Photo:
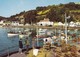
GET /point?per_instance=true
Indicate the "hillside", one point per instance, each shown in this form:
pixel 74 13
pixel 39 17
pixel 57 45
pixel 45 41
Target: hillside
pixel 54 12
pixel 2 18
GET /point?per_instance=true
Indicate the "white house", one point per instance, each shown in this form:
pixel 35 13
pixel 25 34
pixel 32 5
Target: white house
pixel 1 22
pixel 45 22
pixel 27 24
pixel 78 24
pixel 60 24
pixel 72 24
pixel 15 23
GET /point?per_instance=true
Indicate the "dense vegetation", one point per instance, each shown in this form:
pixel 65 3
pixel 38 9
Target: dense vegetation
pixel 54 12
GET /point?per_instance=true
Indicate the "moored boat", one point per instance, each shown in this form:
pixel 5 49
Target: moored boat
pixel 12 34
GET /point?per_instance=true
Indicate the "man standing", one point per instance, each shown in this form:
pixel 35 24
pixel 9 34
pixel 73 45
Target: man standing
pixel 20 46
pixel 27 44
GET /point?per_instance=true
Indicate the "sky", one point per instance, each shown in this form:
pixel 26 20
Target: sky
pixel 12 7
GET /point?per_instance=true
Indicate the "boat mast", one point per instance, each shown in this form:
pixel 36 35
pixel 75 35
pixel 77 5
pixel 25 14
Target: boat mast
pixel 66 27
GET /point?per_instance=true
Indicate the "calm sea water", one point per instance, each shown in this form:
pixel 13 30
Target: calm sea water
pixel 7 44
pixel 10 44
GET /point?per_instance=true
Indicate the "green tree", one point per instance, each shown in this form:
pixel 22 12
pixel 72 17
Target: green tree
pixel 30 16
pixel 54 15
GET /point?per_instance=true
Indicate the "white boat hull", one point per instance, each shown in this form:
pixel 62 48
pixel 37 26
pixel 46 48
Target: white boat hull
pixel 12 35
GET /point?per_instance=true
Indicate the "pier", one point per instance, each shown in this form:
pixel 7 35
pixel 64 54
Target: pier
pixel 44 27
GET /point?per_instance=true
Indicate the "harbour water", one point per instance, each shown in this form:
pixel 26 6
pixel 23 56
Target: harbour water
pixel 7 44
pixel 10 44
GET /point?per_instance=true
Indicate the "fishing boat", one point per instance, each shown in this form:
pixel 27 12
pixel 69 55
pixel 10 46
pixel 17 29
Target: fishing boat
pixel 12 34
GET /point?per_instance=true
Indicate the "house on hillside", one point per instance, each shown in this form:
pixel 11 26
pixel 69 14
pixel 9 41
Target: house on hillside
pixel 5 22
pixel 14 23
pixel 77 24
pixel 45 22
pixel 61 24
pixel 1 22
pixel 72 24
pixel 20 21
